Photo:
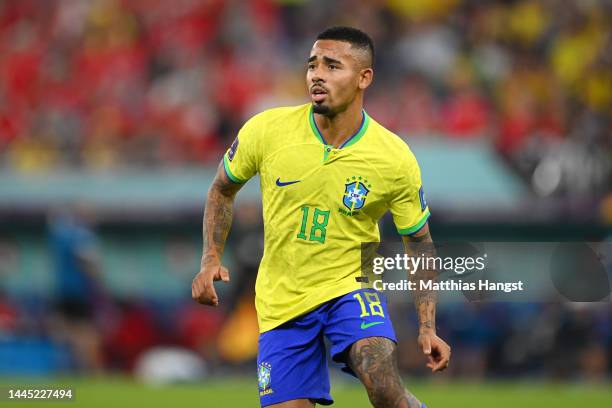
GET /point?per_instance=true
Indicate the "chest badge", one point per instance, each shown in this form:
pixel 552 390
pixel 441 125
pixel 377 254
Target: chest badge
pixel 355 193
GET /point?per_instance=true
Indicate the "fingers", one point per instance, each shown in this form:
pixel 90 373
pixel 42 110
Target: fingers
pixel 436 351
pixel 210 294
pixel 202 288
pixel 426 345
pixel 203 291
pixel 431 362
pixel 441 366
pixel 223 274
pixel 442 358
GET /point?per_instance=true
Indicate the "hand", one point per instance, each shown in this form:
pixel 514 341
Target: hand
pixel 202 288
pixel 437 351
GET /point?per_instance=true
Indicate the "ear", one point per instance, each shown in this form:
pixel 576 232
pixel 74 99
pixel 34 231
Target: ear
pixel 365 78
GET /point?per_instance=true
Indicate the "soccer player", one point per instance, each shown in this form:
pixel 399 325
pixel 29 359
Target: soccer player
pixel 328 173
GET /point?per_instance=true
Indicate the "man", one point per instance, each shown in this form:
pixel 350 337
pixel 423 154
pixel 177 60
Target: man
pixel 328 173
pixel 80 295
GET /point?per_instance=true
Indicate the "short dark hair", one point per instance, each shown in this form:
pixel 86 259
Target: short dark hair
pixel 354 36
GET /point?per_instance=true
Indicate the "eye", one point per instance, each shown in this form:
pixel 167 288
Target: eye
pixel 311 66
pixel 332 67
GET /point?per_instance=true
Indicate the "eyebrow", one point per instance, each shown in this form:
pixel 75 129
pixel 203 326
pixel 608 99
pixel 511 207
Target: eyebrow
pixel 327 60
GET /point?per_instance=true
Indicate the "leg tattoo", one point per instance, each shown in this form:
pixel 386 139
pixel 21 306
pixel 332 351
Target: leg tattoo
pixel 374 360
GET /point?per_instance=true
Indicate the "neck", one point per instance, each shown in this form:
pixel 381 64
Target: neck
pixel 338 128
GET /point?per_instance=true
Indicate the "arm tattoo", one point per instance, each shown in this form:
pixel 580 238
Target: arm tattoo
pixel 374 360
pixel 424 300
pixel 218 216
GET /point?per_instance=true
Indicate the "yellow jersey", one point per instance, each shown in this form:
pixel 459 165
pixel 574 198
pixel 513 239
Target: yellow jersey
pixel 319 204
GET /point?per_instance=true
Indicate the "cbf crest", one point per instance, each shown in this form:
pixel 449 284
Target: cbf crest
pixel 264 371
pixel 355 192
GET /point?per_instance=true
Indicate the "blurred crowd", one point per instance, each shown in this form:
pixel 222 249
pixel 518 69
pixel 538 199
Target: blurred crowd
pixel 83 327
pixel 489 340
pixel 108 83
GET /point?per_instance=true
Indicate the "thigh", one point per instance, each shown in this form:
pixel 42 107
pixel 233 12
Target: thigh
pixel 355 316
pixel 292 365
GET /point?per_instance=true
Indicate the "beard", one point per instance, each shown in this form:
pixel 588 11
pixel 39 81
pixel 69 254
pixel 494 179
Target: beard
pixel 321 109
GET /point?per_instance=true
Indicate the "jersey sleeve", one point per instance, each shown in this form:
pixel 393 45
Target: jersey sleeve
pixel 407 202
pixel 242 159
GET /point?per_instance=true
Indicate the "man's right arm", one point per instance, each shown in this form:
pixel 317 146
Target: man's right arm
pixel 216 225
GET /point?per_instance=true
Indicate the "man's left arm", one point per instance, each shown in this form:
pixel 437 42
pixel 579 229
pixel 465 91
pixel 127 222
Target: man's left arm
pixel 420 244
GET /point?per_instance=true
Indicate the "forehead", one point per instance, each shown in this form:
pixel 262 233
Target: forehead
pixel 340 50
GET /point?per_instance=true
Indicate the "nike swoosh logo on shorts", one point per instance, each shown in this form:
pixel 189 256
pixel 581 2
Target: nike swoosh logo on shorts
pixel 285 183
pixel 365 325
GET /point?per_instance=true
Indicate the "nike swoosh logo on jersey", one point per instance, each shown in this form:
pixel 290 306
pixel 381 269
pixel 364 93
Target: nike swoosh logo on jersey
pixel 285 183
pixel 365 325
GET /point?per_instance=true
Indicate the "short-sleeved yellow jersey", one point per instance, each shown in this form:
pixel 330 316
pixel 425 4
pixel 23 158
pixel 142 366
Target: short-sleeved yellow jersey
pixel 320 203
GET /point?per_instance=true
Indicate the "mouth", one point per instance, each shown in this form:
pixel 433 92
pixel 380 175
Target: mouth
pixel 318 93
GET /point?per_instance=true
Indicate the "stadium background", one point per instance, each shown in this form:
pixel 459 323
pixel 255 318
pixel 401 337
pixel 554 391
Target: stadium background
pixel 114 114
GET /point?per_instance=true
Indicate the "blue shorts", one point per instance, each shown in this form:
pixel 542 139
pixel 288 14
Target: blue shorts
pixel 292 363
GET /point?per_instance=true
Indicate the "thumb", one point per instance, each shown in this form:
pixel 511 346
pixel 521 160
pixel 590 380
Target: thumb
pixel 426 345
pixel 224 273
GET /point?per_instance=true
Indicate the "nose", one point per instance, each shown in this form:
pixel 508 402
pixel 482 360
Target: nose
pixel 316 76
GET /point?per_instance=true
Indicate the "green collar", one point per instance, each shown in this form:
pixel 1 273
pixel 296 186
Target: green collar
pixel 365 121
